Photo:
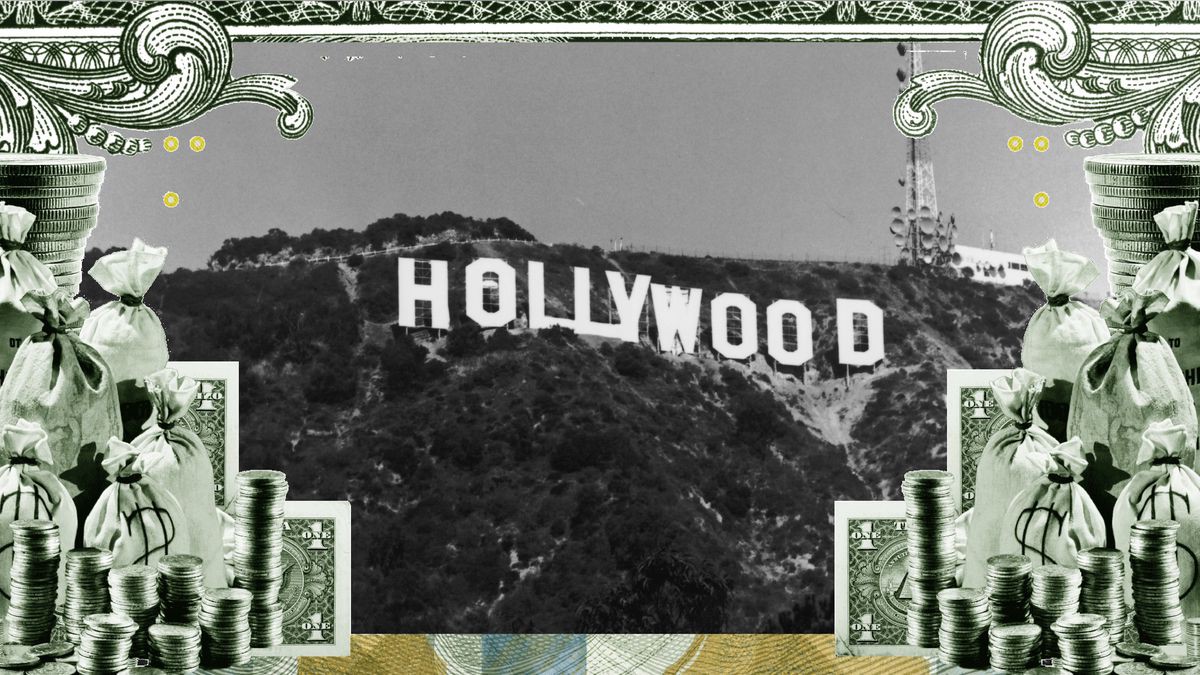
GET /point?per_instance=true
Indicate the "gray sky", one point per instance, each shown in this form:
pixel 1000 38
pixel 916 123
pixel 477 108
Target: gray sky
pixel 732 148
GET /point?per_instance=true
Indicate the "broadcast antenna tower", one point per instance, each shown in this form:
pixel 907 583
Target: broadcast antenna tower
pixel 920 233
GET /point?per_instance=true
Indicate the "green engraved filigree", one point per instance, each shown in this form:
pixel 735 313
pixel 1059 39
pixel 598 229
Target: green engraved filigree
pixel 1039 61
pixel 171 66
pixel 312 12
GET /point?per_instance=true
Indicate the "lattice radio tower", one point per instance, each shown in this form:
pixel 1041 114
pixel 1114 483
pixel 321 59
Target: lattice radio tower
pixel 921 234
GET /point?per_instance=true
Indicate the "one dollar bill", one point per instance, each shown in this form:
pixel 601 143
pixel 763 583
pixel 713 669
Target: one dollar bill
pixel 871 591
pixel 316 580
pixel 971 419
pixel 214 418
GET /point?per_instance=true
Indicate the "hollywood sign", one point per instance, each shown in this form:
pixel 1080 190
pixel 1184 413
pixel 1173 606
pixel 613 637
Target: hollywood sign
pixel 676 312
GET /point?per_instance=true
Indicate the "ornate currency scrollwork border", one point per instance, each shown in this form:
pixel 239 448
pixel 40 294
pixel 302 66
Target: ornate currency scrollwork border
pixel 170 65
pixel 1047 63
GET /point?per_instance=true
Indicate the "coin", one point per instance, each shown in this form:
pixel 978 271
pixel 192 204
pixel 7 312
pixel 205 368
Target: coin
pixel 1138 203
pixel 258 548
pixel 14 192
pixel 1155 581
pixel 1138 650
pixel 37 164
pixel 52 668
pixel 33 582
pixel 1181 192
pixel 16 656
pixel 1102 590
pixel 1174 662
pixel 54 650
pixel 1173 164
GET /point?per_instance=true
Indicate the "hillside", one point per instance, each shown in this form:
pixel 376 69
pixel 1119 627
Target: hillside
pixel 517 481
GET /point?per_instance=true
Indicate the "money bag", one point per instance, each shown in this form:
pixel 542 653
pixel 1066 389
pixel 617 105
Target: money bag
pixel 1054 519
pixel 1016 456
pixel 1176 272
pixel 64 385
pixel 177 460
pixel 137 519
pixel 1124 386
pixel 1166 489
pixel 1062 332
pixel 126 332
pixel 29 489
pixel 20 273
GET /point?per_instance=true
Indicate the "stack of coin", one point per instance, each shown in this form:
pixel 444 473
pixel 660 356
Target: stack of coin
pixel 1103 590
pixel 266 626
pixel 225 627
pixel 134 592
pixel 63 193
pixel 180 588
pixel 258 549
pixel 1191 636
pixel 1158 614
pixel 175 646
pixel 87 588
pixel 1127 191
pixel 1083 643
pixel 37 550
pixel 1014 647
pixel 1054 594
pixel 932 558
pixel 1008 583
pixel 105 643
pixel 963 634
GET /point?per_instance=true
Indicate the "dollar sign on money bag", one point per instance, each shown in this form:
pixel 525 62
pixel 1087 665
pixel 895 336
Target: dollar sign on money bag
pixel 1032 531
pixel 155 527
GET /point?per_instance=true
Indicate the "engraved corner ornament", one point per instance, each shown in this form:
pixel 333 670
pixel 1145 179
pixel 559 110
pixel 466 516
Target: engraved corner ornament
pixel 1043 62
pixel 170 65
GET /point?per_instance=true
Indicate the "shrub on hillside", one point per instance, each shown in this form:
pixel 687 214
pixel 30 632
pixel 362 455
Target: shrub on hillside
pixel 633 361
pixel 465 340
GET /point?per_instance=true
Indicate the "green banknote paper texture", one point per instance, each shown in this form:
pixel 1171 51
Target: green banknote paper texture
pixel 214 418
pixel 870 575
pixel 971 418
pixel 316 580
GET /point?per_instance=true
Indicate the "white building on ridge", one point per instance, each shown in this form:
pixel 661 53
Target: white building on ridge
pixel 992 266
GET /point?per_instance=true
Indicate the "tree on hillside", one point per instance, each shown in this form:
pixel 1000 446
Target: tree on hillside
pixel 667 593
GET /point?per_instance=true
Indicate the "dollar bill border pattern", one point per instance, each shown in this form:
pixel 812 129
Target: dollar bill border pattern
pixel 214 418
pixel 316 583
pixel 971 419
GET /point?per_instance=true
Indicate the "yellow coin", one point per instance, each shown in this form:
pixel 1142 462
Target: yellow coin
pixel 170 144
pixel 1015 143
pixel 171 200
pixel 197 143
pixel 1041 200
pixel 1041 144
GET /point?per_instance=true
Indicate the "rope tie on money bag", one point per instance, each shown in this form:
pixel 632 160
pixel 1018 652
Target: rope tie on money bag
pixel 132 300
pixel 1057 300
pixel 58 312
pixel 9 245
